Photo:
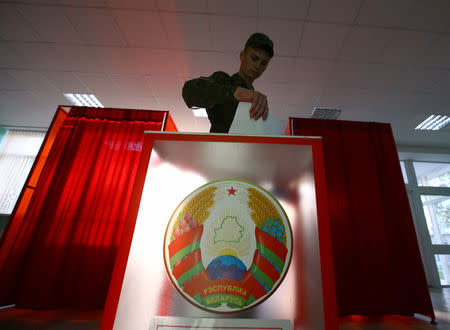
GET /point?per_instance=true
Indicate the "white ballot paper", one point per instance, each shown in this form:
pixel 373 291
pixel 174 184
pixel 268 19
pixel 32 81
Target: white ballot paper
pixel 243 124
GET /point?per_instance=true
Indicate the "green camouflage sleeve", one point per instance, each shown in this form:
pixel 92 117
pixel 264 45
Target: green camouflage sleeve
pixel 206 92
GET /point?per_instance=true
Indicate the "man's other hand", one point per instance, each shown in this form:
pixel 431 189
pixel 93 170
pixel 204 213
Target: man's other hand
pixel 259 106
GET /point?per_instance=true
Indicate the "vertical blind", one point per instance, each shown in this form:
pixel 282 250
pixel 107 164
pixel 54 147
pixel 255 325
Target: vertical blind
pixel 17 154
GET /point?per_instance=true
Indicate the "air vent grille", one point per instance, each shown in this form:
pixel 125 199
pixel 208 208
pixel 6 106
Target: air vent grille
pixel 325 113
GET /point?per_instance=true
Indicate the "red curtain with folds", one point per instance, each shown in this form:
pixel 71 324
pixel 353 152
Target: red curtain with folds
pixel 62 251
pixel 377 264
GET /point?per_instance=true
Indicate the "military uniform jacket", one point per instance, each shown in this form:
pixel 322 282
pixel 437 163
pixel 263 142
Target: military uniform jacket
pixel 215 94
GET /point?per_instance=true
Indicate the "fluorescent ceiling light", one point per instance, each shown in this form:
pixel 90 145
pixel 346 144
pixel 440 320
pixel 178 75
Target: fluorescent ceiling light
pixel 87 100
pixel 434 122
pixel 200 112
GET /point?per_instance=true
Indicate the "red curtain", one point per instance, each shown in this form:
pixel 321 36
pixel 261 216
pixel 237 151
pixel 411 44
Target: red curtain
pixel 377 263
pixel 62 251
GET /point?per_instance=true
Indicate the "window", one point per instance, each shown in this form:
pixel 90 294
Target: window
pixel 443 266
pixel 429 193
pixel 432 174
pixel 437 215
pixel 405 177
pixel 18 150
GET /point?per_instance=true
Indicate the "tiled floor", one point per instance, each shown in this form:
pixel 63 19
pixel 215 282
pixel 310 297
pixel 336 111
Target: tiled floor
pixel 441 304
pixel 14 319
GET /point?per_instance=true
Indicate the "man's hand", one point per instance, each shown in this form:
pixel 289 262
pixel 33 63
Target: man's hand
pixel 259 106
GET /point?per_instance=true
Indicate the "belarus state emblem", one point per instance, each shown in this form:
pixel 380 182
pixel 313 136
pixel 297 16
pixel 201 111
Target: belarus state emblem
pixel 228 246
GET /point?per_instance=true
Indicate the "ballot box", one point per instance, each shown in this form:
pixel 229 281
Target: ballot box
pixel 225 231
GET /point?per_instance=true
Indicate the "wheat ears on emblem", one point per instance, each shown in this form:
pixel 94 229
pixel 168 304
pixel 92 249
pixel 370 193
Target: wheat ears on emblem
pixel 199 205
pixel 262 207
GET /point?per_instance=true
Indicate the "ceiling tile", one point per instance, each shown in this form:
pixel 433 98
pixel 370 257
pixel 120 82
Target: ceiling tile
pixel 407 47
pixel 132 4
pixel 60 57
pixel 284 8
pixel 79 58
pixel 45 2
pixel 183 5
pixel 343 11
pixel 23 109
pixel 322 40
pixel 279 70
pixel 39 56
pixel 199 63
pixel 167 102
pixel 421 80
pixel 123 101
pixel 141 28
pixel 230 33
pixel 83 3
pixel 32 80
pixel 385 13
pixel 442 83
pixel 303 110
pixel 393 64
pixel 356 104
pixel 311 71
pixel 438 54
pixel 365 44
pixel 187 31
pixel 10 55
pixel 8 82
pixel 142 103
pixel 234 7
pixel 96 26
pixel 166 87
pixel 412 105
pixel 13 26
pixel 51 23
pixel 158 62
pixel 98 83
pixel 116 59
pixel 363 75
pixel 50 99
pixel 227 62
pixel 177 109
pixel 133 85
pixel 431 15
pixel 285 35
pixel 290 93
pixel 66 82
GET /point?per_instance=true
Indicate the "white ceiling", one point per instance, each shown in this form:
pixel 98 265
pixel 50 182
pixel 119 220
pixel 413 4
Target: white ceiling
pixel 377 60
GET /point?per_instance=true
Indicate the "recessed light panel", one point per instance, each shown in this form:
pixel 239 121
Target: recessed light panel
pixel 434 123
pixel 87 100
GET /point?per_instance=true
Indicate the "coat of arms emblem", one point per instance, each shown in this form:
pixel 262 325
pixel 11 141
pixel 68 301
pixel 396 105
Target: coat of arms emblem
pixel 228 246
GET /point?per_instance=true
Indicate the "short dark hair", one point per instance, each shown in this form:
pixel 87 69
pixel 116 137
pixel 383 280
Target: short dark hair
pixel 260 41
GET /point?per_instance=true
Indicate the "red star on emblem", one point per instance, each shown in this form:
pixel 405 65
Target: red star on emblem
pixel 231 191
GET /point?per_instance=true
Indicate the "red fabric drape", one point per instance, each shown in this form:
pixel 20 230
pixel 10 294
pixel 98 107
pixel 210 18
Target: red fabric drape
pixel 64 250
pixel 377 263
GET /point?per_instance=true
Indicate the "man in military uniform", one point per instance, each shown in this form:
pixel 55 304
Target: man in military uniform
pixel 221 93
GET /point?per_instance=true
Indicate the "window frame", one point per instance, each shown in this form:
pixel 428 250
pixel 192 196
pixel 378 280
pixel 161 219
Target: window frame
pixel 427 248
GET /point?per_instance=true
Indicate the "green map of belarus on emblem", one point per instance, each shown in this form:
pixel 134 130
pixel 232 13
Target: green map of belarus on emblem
pixel 228 246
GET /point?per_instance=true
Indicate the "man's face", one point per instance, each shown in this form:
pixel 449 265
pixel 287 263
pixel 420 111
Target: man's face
pixel 254 62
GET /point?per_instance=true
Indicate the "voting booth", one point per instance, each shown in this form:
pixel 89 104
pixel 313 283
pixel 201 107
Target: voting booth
pixel 225 231
pixel 215 230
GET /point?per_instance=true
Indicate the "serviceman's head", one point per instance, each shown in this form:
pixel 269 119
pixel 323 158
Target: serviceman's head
pixel 256 56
